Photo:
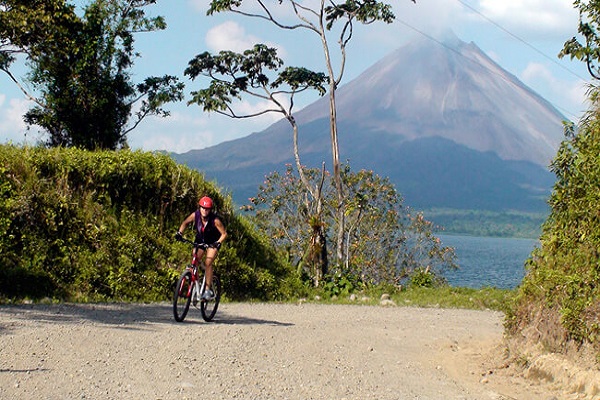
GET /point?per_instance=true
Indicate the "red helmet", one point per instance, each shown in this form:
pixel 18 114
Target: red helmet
pixel 206 202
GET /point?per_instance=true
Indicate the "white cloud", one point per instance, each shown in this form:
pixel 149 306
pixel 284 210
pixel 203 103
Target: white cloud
pixel 535 71
pixel 541 19
pixel 232 36
pixel 12 127
pixel 229 36
pixel 432 18
pixel 570 95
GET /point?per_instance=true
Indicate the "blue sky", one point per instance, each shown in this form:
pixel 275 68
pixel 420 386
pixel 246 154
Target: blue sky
pixel 523 36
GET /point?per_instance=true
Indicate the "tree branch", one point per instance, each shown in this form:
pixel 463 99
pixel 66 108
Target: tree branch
pixel 269 17
pixel 25 92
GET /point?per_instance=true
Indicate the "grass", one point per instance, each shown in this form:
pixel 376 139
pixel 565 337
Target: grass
pixel 456 297
pixel 441 297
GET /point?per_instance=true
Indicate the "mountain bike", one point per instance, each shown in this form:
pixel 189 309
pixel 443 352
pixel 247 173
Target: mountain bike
pixel 191 286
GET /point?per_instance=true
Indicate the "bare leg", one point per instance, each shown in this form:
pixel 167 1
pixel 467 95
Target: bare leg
pixel 211 254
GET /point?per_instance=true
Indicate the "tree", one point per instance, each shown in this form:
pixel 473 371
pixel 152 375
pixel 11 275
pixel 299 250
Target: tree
pixel 558 302
pixel 24 25
pixel 282 209
pixel 325 20
pixel 81 68
pixel 386 243
pixel 589 51
pixel 259 73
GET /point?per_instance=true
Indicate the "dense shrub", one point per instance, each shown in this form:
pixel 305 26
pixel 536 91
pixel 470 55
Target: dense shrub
pixel 558 303
pixel 82 225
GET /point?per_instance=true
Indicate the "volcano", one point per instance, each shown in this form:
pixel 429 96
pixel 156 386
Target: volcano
pixel 448 125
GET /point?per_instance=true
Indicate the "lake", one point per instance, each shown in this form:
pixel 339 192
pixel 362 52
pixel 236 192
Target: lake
pixel 488 262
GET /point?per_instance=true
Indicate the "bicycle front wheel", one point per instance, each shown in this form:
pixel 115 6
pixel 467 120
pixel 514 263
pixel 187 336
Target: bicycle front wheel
pixel 208 308
pixel 182 296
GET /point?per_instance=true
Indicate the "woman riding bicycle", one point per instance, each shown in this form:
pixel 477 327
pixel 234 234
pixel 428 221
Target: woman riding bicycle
pixel 210 230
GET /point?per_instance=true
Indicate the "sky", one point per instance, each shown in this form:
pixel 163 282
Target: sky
pixel 522 36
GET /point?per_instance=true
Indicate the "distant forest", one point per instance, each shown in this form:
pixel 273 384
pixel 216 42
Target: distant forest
pixel 487 223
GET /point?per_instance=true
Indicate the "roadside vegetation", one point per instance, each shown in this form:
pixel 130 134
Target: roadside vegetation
pixel 557 307
pixel 558 302
pixel 77 225
pixel 443 296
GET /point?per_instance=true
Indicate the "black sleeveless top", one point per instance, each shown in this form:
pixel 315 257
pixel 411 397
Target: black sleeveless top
pixel 209 233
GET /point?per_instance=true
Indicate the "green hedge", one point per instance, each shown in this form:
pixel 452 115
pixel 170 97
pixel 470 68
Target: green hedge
pixel 97 226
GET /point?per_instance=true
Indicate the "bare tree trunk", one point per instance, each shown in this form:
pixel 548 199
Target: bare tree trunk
pixel 317 252
pixel 337 178
pixel 335 151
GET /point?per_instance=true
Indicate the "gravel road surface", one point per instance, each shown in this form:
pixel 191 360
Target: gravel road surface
pixel 258 351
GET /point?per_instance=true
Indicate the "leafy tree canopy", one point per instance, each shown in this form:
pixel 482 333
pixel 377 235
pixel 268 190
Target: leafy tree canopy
pixel 255 72
pixel 386 242
pixel 80 66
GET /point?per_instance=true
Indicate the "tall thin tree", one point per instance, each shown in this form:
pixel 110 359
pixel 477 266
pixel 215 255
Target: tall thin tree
pixel 320 18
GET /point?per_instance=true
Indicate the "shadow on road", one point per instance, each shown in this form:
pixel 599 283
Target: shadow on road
pixel 122 315
pixel 228 319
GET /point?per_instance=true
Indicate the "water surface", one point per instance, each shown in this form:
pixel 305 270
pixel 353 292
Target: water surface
pixel 485 261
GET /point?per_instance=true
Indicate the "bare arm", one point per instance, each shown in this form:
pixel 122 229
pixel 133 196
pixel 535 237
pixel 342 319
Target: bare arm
pixel 186 222
pixel 221 228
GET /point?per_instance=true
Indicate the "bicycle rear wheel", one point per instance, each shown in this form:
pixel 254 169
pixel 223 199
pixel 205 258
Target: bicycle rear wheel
pixel 208 308
pixel 182 296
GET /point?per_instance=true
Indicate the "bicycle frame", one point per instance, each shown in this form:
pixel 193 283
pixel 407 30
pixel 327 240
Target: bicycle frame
pixel 197 288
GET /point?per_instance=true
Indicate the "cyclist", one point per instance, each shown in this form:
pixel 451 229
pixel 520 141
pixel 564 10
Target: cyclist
pixel 210 230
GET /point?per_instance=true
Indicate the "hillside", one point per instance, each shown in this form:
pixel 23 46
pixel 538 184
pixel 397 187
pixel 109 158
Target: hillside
pixel 98 226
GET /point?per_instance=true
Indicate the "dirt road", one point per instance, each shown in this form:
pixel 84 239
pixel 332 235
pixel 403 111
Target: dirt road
pixel 257 351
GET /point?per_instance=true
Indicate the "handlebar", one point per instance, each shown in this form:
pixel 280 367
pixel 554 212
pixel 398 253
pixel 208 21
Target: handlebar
pixel 202 246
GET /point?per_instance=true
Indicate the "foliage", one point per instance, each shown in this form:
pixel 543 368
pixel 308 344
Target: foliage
pixel 445 296
pixel 81 225
pixel 385 242
pixel 560 294
pixel 422 277
pixel 336 285
pixel 282 211
pixel 588 51
pixel 233 74
pixel 81 68
pixel 558 302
